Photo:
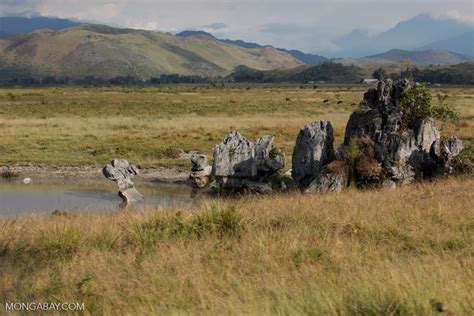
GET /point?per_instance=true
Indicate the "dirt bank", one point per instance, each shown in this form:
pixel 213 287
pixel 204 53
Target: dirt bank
pixel 49 173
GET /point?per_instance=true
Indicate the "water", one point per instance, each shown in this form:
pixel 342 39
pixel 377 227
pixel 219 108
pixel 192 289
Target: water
pixel 19 199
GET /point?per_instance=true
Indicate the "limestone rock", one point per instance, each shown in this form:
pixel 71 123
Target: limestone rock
pixel 259 187
pixel 234 157
pixel 201 178
pixel 332 178
pixel 200 171
pixel 199 162
pixel 313 150
pixel 122 172
pixel 404 153
pixel 269 158
pixel 130 195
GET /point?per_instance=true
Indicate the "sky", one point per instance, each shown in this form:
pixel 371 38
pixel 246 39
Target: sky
pixel 311 26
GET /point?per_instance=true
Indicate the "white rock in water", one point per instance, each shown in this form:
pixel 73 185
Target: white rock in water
pixel 27 180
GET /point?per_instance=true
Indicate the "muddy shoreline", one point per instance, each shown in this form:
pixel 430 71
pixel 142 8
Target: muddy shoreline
pixel 47 173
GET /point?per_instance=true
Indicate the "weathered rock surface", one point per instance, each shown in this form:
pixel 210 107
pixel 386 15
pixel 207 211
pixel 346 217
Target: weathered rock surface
pixel 122 172
pixel 199 162
pixel 240 166
pixel 269 158
pixel 200 171
pixel 331 178
pixel 234 157
pixel 404 153
pixel 313 150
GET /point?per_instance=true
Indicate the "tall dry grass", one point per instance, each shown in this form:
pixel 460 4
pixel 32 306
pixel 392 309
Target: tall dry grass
pixel 354 253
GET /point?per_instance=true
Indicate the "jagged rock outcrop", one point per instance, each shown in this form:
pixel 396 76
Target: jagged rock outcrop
pixel 331 178
pixel 383 147
pixel 239 165
pixel 379 148
pixel 313 150
pixel 234 157
pixel 269 158
pixel 404 153
pixel 122 172
pixel 200 171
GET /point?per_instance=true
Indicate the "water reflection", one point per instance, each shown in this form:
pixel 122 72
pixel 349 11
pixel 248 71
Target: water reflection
pixel 20 199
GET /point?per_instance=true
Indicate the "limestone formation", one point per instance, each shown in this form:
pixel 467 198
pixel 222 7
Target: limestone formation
pixel 379 149
pixel 239 165
pixel 200 171
pixel 404 153
pixel 269 158
pixel 234 157
pixel 122 172
pixel 313 150
pixel 331 178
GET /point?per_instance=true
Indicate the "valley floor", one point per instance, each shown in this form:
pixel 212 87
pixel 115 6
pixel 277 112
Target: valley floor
pixel 153 127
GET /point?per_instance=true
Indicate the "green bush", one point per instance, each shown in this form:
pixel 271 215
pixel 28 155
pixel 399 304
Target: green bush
pixel 445 113
pixel 416 105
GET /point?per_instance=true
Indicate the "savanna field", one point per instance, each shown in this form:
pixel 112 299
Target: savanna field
pixel 403 251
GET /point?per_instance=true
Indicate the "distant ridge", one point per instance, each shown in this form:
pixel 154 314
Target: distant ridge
pixel 309 59
pixel 462 44
pixel 421 58
pixel 20 25
pixel 415 33
pixel 106 52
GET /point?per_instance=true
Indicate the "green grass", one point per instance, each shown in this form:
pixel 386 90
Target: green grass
pixel 150 126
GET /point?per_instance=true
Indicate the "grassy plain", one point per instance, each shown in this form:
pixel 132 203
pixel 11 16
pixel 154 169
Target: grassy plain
pixel 354 253
pixel 149 126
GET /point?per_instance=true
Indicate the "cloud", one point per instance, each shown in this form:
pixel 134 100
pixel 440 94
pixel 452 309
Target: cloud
pixel 215 26
pixel 308 25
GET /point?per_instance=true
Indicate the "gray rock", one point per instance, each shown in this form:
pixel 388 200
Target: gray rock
pixel 313 150
pixel 130 195
pixel 199 162
pixel 404 153
pixel 389 184
pixel 269 158
pixel 259 187
pixel 234 157
pixel 120 171
pixel 444 150
pixel 332 178
pixel 201 178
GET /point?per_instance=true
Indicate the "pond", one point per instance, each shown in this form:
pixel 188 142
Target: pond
pixel 20 199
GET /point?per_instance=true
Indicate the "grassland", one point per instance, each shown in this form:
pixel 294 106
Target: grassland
pixel 376 252
pixel 150 126
pixel 352 253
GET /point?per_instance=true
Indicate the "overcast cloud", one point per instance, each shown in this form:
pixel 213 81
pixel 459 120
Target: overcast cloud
pixel 301 24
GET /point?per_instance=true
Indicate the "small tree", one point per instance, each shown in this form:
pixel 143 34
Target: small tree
pixel 416 105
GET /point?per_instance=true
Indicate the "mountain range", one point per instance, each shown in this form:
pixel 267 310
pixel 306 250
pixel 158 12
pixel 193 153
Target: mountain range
pixel 309 59
pixel 20 25
pixel 41 47
pixel 422 58
pixel 419 33
pixel 107 52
